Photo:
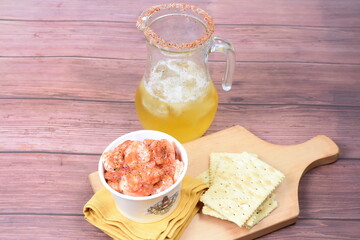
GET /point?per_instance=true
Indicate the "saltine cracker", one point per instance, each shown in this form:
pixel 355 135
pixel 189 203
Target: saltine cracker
pixel 240 183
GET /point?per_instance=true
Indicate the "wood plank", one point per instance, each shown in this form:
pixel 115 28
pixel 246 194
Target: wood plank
pixel 116 80
pixel 298 12
pixel 61 181
pixel 42 227
pixel 87 127
pixel 124 41
pixel 76 78
pixel 320 183
pixel 41 183
pixel 67 227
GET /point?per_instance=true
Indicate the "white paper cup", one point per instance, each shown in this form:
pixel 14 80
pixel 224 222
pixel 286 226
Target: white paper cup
pixel 154 207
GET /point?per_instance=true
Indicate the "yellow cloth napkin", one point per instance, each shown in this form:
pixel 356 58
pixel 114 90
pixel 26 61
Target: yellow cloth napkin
pixel 101 211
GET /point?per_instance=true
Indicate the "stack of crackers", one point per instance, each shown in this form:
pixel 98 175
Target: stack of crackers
pixel 240 188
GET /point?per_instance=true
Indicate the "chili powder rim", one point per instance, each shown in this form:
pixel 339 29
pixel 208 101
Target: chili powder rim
pixel 156 40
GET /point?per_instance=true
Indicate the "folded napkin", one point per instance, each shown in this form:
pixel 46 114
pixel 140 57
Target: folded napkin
pixel 101 211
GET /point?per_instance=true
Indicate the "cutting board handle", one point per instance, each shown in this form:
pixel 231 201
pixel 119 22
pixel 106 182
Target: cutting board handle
pixel 317 151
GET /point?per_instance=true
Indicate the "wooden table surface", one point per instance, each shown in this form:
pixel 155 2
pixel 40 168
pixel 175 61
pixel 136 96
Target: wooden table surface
pixel 69 70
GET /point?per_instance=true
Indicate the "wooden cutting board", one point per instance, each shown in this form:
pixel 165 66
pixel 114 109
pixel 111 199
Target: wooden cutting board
pixel 293 160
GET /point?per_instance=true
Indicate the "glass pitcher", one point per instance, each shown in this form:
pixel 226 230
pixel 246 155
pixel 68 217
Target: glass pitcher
pixel 176 94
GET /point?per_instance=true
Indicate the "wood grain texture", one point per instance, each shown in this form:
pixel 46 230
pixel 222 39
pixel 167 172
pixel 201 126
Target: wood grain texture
pixel 86 127
pixel 280 12
pixel 47 227
pixel 45 183
pixel 117 80
pixel 123 41
pixel 75 227
pixel 347 196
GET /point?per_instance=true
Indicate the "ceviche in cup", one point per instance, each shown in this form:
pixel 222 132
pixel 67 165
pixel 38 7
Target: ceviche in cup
pixel 143 170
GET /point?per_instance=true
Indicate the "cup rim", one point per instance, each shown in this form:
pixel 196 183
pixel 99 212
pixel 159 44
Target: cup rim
pixel 143 25
pixel 141 135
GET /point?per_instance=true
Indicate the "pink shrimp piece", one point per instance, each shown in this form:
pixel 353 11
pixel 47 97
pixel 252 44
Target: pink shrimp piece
pixel 163 184
pixel 131 185
pixel 136 154
pixel 142 192
pixel 113 176
pixel 133 181
pixel 151 175
pixel 122 147
pixel 179 167
pixel 148 142
pixel 114 185
pixel 114 160
pixel 162 152
pixel 110 164
pixel 140 182
pixel 169 170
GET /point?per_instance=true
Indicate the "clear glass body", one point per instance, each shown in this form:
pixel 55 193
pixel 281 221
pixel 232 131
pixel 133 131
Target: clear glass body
pixel 176 94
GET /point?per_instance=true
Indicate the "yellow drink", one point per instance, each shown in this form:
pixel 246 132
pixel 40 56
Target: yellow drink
pixel 177 99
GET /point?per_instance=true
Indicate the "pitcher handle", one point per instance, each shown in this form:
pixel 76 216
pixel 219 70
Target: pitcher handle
pixel 224 46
